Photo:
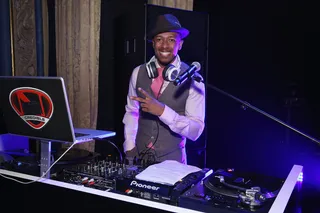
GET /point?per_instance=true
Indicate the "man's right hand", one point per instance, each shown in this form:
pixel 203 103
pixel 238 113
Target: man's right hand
pixel 132 153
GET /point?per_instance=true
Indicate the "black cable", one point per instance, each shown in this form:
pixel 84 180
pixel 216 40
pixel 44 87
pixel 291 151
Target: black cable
pixel 149 148
pixel 157 129
pixel 120 154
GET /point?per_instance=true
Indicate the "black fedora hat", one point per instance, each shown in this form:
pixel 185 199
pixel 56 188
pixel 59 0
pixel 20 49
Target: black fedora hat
pixel 168 23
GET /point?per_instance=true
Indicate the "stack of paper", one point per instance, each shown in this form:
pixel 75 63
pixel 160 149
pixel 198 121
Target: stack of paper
pixel 167 172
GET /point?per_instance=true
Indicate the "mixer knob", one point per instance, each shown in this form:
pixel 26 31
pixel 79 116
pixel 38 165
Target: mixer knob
pixel 84 180
pixel 91 182
pixel 120 171
pixel 102 170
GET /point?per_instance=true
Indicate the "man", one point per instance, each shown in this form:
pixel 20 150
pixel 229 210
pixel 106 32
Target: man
pixel 158 119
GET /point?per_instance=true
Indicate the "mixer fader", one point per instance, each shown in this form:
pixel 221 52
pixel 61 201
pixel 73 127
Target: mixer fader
pixel 99 175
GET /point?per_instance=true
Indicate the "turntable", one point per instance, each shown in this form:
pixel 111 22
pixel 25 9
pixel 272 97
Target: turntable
pixel 230 191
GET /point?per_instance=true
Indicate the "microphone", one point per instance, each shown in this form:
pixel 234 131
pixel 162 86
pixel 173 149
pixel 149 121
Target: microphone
pixel 195 67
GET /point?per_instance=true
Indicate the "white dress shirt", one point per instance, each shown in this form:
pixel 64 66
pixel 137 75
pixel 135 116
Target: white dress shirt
pixel 190 125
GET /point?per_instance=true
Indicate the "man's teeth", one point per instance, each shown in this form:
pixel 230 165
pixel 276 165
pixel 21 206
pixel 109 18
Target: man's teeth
pixel 165 53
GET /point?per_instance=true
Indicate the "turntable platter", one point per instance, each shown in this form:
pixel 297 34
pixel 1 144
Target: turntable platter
pixel 233 191
pixel 232 183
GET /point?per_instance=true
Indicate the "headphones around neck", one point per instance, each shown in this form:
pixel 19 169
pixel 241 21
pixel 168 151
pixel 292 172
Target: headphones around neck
pixel 169 73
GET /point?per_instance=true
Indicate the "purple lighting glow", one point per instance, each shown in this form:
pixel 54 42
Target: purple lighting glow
pixel 300 178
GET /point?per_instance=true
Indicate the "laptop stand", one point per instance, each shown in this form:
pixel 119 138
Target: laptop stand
pixel 45 158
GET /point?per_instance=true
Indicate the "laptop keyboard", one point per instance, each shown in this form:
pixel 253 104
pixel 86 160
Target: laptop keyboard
pixel 77 134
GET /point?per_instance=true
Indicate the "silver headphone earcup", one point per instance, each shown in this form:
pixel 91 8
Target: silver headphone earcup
pixel 152 70
pixel 171 73
pixel 148 70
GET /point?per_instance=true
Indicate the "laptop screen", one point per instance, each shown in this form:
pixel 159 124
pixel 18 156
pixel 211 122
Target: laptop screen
pixel 36 107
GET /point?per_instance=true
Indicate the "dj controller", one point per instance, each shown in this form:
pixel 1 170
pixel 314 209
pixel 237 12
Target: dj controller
pixel 120 178
pixel 205 190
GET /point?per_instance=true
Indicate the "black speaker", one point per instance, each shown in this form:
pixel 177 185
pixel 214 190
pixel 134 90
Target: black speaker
pixel 123 46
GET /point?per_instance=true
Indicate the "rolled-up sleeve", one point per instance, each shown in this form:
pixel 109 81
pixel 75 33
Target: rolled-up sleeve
pixel 131 116
pixel 191 124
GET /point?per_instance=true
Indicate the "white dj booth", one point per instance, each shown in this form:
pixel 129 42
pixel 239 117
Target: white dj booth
pixel 17 184
pixel 278 206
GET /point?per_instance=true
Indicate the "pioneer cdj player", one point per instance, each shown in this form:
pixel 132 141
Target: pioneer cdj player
pixel 158 192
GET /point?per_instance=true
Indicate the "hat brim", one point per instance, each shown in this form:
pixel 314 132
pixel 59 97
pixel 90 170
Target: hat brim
pixel 183 32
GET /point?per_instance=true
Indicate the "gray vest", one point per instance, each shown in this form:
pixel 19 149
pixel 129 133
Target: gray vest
pixel 167 144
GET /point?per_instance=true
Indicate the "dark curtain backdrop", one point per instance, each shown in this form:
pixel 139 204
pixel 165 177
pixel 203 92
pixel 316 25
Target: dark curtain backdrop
pixel 5 50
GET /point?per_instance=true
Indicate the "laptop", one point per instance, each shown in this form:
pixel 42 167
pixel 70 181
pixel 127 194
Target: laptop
pixel 38 107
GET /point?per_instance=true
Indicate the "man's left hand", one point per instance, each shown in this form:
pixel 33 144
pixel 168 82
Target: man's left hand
pixel 149 104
